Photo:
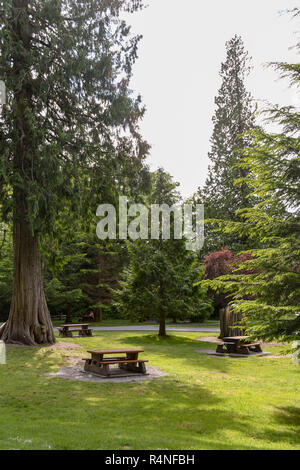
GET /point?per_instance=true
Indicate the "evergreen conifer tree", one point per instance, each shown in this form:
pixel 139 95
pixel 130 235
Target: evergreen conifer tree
pixel 234 115
pixel 266 287
pixel 161 277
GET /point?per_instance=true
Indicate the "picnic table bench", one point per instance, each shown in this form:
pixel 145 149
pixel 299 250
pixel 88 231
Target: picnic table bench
pixel 238 345
pixel 98 364
pixel 67 330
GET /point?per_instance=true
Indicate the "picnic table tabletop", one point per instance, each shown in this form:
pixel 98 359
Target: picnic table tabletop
pixel 115 351
pixel 236 337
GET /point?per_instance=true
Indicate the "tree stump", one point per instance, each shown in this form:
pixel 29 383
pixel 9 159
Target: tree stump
pixel 230 323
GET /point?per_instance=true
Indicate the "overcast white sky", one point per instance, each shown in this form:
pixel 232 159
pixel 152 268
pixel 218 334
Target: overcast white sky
pixel 177 72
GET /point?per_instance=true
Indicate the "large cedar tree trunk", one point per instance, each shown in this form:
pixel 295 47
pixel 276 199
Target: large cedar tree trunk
pixel 29 321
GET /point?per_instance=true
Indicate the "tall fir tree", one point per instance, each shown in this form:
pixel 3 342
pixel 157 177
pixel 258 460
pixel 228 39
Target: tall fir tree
pixel 234 115
pixel 69 123
pixel 266 287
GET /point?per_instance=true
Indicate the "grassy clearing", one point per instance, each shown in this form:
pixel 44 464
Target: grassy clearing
pixel 203 403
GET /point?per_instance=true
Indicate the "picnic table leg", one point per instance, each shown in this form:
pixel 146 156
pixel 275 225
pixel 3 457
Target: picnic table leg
pixel 130 357
pixel 87 332
pixel 97 357
pixel 142 367
pixel 93 366
pixel 244 350
pixel 83 331
pixel 138 367
pixel 231 348
pixel 66 333
pixel 106 369
pixel 130 367
pixel 87 364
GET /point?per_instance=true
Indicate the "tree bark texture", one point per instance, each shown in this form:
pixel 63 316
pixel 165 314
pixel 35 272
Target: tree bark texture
pixel 162 323
pixel 29 321
pixel 230 323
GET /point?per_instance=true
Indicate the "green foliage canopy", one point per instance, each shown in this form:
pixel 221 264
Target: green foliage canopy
pixel 69 110
pixel 269 292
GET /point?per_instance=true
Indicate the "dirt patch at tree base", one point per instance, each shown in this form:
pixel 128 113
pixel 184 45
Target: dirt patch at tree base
pixel 61 346
pixel 264 354
pixel 56 347
pixel 215 340
pixel 212 353
pixel 282 356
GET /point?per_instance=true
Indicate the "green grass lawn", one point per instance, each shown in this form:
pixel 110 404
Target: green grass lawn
pixel 203 402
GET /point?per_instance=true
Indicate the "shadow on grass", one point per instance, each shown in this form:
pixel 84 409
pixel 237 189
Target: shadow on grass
pixel 23 358
pixel 169 341
pixel 164 413
pixel 288 415
pixel 178 347
pixel 286 429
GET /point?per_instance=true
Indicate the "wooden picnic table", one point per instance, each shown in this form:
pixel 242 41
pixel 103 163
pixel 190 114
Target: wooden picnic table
pixel 238 345
pixel 125 359
pixel 66 330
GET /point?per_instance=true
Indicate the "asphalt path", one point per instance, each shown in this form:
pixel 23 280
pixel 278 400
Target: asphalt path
pixel 155 328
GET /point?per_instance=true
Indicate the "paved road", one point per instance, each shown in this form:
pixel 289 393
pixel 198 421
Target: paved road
pixel 154 328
